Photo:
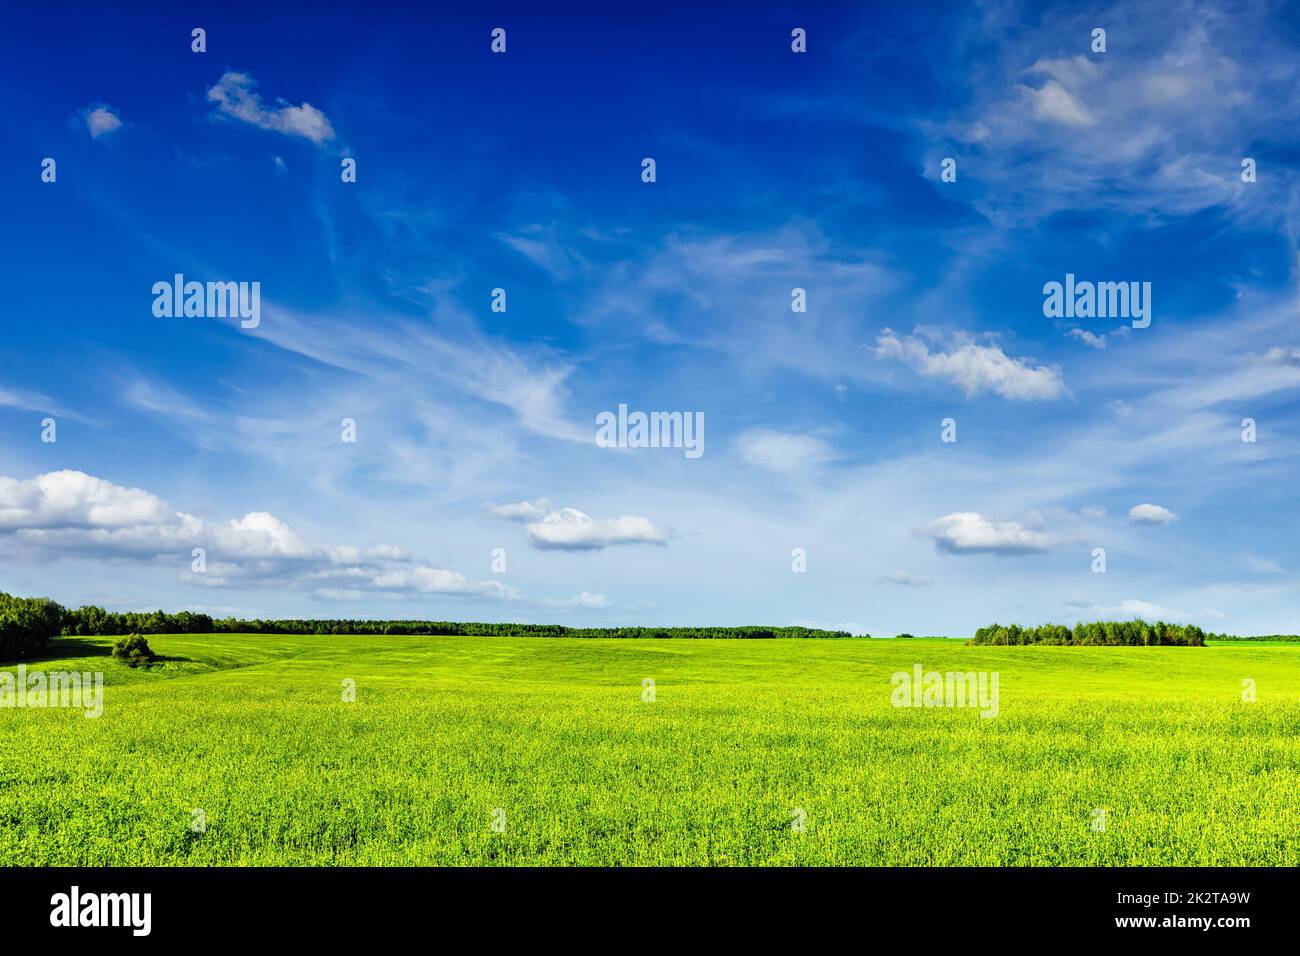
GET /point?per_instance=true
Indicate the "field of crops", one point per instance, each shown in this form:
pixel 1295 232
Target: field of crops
pixel 556 751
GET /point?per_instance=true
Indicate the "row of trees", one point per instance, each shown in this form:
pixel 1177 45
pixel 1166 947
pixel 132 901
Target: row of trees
pixel 1287 638
pixel 1096 633
pixel 95 621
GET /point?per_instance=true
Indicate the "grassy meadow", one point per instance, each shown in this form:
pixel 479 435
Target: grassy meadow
pixel 446 732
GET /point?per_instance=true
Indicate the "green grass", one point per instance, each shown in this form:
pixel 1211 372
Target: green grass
pixel 253 730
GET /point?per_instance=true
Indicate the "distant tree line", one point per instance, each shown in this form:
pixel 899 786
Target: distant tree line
pixel 95 620
pixel 1094 634
pixel 1288 638
pixel 27 624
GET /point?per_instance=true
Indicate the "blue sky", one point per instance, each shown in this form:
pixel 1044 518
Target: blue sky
pixel 775 170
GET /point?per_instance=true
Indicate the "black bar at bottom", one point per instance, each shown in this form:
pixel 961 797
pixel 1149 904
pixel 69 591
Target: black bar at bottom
pixel 303 905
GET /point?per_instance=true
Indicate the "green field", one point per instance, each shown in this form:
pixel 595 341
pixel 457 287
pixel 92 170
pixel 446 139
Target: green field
pixel 253 730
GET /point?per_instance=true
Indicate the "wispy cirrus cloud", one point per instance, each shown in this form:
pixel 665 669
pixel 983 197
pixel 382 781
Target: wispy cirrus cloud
pixel 1167 117
pixel 38 402
pixel 450 352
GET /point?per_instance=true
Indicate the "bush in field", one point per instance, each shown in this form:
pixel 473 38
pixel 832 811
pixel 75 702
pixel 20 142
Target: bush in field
pixel 26 625
pixel 133 651
pixel 1094 634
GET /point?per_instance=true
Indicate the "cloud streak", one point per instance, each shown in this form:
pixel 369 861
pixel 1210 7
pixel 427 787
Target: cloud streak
pixel 236 97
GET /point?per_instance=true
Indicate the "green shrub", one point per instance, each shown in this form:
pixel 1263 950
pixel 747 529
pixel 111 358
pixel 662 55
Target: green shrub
pixel 134 651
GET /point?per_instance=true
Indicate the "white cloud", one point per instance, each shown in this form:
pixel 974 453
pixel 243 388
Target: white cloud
pixel 1093 511
pixel 424 580
pixel 1283 356
pixel 586 600
pixel 523 511
pixel 782 452
pixel 73 499
pixel 1151 514
pixel 968 532
pixel 235 96
pixel 101 120
pixel 1087 338
pixel 1054 102
pixel 975 368
pixel 570 530
pixel 73 513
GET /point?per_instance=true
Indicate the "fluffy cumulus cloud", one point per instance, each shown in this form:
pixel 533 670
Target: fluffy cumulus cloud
pixel 1148 513
pixel 968 532
pixel 974 368
pixel 63 500
pixel 101 120
pixel 73 513
pixel 236 97
pixel 568 529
